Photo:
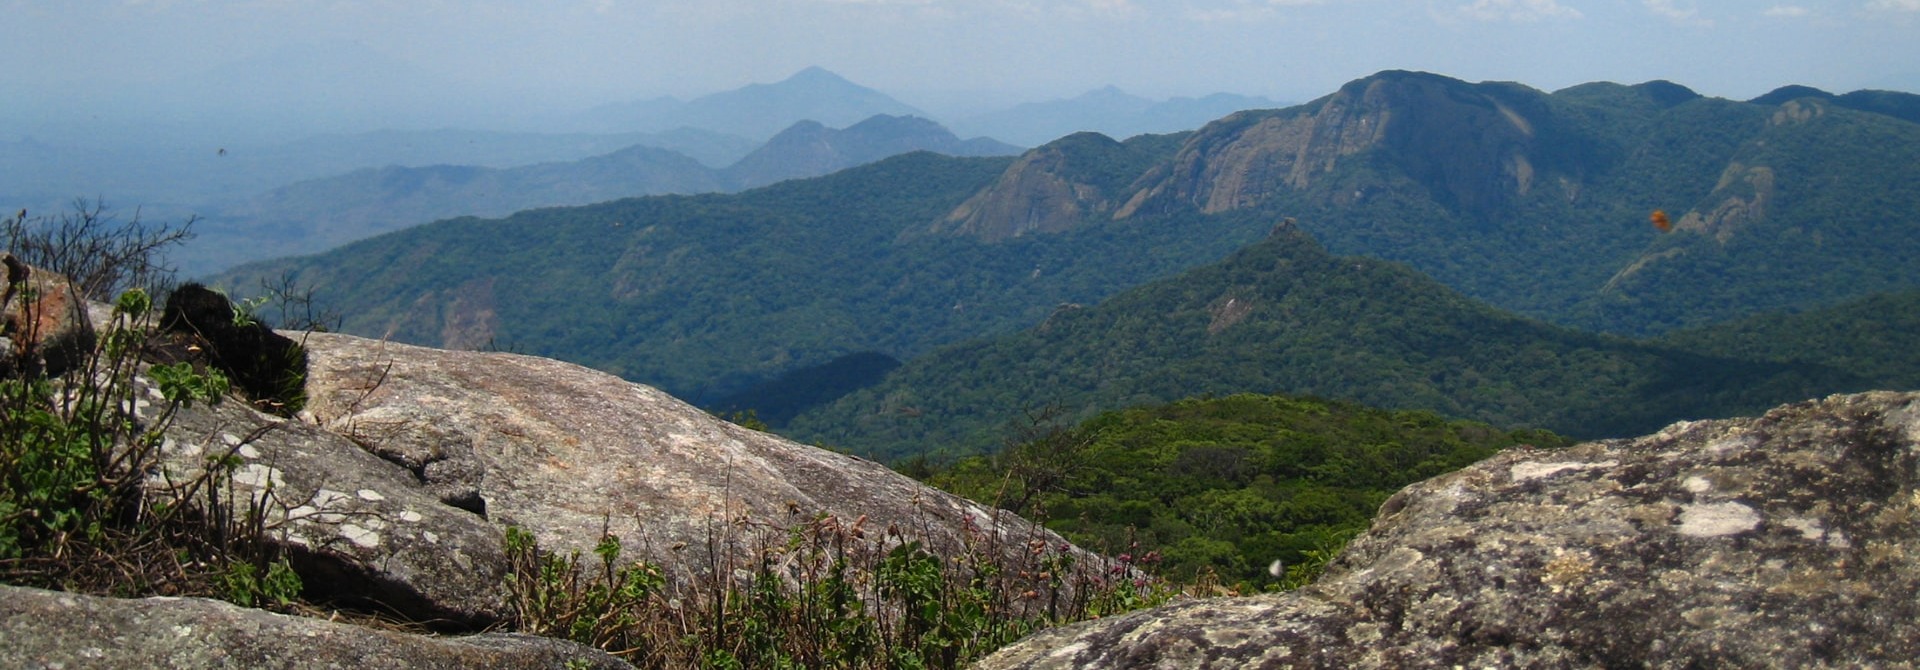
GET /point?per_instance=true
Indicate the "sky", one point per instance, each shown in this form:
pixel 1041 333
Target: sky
pixel 506 62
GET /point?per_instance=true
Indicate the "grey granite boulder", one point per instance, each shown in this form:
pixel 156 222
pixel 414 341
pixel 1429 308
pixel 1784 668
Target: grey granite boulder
pixel 565 452
pixel 1786 541
pixel 360 530
pixel 46 629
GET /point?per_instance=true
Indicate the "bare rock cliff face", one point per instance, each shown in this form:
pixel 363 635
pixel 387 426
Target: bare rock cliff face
pixel 1784 541
pixel 1044 192
pixel 565 452
pixel 1469 144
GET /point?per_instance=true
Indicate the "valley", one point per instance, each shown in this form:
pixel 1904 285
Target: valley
pixel 1007 284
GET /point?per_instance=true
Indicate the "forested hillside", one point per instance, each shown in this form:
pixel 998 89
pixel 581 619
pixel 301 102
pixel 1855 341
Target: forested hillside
pixel 1539 203
pixel 1876 338
pixel 1224 484
pixel 705 295
pixel 1285 316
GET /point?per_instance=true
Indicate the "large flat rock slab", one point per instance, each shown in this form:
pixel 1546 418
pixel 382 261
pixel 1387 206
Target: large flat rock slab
pixel 567 452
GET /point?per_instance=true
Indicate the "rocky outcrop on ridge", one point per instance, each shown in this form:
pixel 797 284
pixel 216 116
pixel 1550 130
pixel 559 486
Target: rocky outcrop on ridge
pixel 1471 145
pixel 1784 541
pixel 1050 189
pixel 45 629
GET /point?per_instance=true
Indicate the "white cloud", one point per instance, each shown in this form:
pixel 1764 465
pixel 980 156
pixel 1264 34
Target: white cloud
pixel 1785 11
pixel 1665 9
pixel 1895 5
pixel 1242 10
pixel 1518 10
pixel 1227 15
pixel 1110 7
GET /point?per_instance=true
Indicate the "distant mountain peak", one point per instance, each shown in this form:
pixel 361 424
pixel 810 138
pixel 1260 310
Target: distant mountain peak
pixel 1791 92
pixel 1109 92
pixel 802 127
pixel 898 122
pixel 810 148
pixel 815 73
pixel 762 110
pixel 1667 93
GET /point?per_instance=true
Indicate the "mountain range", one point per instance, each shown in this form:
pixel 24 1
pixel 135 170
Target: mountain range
pixel 315 215
pixel 1482 185
pixel 1530 202
pixel 245 189
pixel 756 111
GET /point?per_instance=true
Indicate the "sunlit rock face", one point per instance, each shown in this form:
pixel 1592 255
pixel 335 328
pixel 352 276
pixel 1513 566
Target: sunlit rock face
pixel 569 453
pixel 1787 540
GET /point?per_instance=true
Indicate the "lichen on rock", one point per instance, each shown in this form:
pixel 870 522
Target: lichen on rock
pixel 1787 540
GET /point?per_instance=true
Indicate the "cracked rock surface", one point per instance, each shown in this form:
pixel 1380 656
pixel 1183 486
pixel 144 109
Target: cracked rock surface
pixel 356 527
pixel 1790 540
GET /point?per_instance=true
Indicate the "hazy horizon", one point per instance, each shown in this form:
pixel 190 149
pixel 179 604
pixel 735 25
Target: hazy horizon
pixel 97 68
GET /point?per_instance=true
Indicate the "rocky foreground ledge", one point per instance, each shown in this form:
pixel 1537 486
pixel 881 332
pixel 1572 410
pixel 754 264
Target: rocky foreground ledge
pixel 1786 541
pixel 392 490
pixel 44 629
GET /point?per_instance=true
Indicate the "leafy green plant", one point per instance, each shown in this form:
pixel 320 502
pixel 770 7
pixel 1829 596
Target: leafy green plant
pixel 180 383
pixel 247 585
pixel 247 312
pixel 1313 562
pixel 86 501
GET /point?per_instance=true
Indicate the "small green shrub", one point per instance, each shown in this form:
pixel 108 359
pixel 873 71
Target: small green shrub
pixel 77 511
pixel 248 585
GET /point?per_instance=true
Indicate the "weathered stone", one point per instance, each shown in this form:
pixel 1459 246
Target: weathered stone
pixel 566 452
pixel 46 629
pixel 1786 541
pixel 44 320
pixel 358 528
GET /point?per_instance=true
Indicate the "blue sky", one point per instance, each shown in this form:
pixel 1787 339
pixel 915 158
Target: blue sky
pixel 495 59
